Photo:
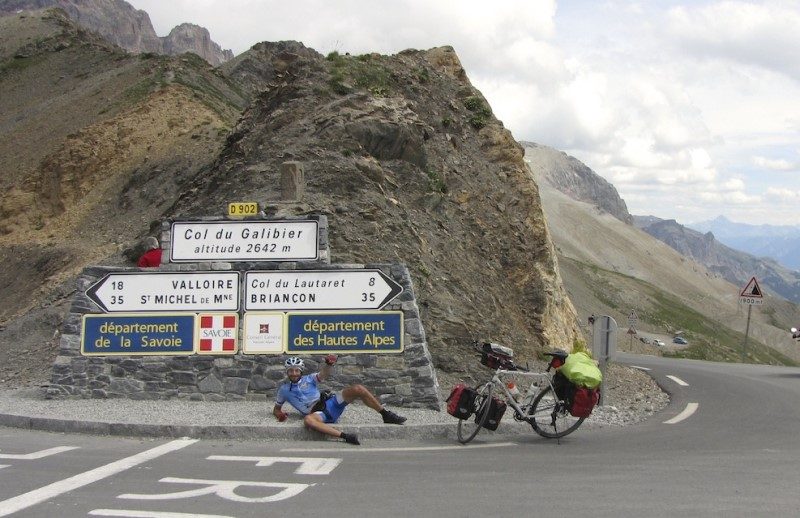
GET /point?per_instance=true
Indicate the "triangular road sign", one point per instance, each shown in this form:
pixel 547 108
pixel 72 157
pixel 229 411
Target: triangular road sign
pixel 752 289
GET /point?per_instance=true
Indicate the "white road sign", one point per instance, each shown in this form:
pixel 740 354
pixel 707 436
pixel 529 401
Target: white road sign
pixel 166 291
pixel 283 240
pixel 633 319
pixel 751 294
pixel 318 289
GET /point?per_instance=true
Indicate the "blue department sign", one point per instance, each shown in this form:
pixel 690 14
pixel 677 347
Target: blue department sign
pixel 345 332
pixel 244 241
pixel 137 334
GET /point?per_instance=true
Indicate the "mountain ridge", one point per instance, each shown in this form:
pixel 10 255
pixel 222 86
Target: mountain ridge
pixel 733 265
pixel 128 27
pixel 779 242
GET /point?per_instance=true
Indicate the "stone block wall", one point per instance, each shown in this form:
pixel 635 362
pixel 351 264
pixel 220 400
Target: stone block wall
pixel 407 379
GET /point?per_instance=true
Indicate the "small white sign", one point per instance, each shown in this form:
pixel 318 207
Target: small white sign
pixel 751 294
pixel 165 291
pixel 244 241
pixel 633 319
pixel 263 333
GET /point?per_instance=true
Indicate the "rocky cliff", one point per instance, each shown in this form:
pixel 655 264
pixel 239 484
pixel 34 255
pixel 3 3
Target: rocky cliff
pixel 129 28
pixel 405 158
pixel 188 37
pixel 401 154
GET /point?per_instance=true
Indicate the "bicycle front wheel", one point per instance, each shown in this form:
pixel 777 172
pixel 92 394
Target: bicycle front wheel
pixel 468 428
pixel 550 417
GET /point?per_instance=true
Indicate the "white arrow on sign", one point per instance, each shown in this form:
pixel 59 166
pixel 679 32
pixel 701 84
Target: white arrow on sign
pixel 167 291
pixel 318 289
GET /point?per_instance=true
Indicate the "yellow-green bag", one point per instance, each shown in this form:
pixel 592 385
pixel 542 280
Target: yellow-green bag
pixel 581 370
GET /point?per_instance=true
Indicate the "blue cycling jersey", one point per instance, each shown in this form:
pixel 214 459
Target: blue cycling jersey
pixel 301 395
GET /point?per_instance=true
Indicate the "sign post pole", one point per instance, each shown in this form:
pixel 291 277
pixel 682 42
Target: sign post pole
pixel 746 333
pixel 751 295
pixel 604 345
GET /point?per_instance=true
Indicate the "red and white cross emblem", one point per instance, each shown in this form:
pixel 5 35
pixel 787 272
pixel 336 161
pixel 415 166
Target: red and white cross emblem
pixel 218 333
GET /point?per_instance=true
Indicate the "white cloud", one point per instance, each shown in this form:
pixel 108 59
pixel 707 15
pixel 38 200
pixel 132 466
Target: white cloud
pixel 759 34
pixel 783 195
pixel 690 104
pixel 775 164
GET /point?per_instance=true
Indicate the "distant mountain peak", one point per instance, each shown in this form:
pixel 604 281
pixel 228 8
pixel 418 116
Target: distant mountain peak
pixel 575 179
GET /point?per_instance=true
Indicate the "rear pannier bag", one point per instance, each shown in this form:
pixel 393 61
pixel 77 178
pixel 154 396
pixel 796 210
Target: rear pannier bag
pixel 583 401
pixel 496 411
pixel 461 401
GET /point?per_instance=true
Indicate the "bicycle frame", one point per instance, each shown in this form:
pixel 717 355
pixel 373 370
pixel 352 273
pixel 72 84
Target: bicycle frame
pixel 530 393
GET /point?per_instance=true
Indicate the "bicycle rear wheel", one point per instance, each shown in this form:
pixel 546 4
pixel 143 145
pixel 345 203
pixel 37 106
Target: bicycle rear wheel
pixel 550 417
pixel 468 428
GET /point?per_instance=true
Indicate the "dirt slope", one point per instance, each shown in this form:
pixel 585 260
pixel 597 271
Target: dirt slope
pixel 95 145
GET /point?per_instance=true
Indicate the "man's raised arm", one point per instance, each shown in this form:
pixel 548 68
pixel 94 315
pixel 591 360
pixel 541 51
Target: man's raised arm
pixel 325 371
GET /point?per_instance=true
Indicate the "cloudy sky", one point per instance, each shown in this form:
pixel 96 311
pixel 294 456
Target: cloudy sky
pixel 690 108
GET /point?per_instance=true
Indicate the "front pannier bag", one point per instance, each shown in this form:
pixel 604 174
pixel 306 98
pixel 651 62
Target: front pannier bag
pixel 496 411
pixel 461 401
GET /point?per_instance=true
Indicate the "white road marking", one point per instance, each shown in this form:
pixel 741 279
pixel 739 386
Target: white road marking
pixel 38 454
pixel 690 409
pixel 151 514
pixel 421 448
pixel 641 368
pixel 308 465
pixel 37 496
pixel 224 489
pixel 678 381
pixel 3 466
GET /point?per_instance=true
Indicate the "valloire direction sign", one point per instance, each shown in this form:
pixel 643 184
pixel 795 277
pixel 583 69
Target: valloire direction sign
pixel 318 289
pixel 167 291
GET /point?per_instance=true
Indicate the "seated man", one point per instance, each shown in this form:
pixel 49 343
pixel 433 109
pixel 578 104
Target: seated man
pixel 302 393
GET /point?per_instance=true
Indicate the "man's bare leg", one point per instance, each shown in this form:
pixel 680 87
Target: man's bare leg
pixel 361 392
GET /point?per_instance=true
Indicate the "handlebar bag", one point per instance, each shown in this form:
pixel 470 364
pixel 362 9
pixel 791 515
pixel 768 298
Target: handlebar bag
pixel 497 356
pixel 461 401
pixel 581 370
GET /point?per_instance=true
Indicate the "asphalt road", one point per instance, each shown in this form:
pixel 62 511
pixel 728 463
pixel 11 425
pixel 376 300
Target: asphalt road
pixel 736 454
